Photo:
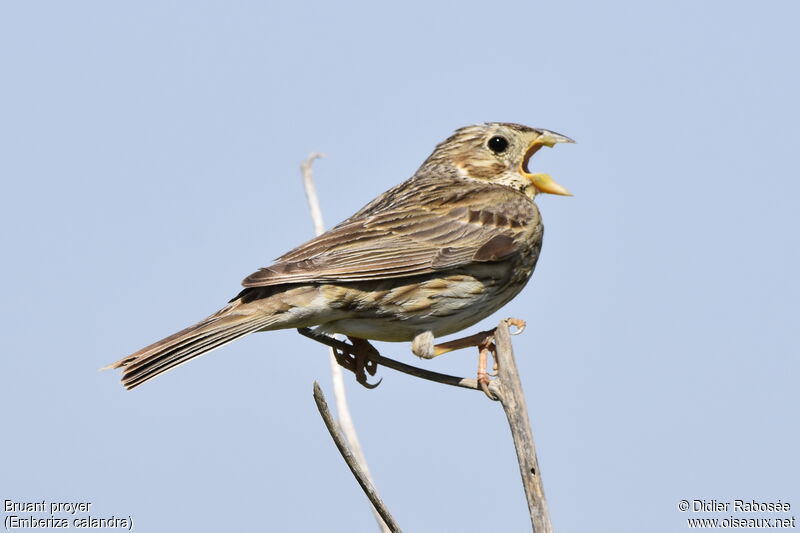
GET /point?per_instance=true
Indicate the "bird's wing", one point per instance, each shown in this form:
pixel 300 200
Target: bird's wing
pixel 410 236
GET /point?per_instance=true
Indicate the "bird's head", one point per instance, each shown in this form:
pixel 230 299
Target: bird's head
pixel 498 152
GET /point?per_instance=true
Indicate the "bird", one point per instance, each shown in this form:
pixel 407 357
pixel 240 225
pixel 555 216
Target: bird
pixel 430 257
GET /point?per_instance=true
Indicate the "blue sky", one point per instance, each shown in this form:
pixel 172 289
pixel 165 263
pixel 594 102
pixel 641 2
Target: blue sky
pixel 150 155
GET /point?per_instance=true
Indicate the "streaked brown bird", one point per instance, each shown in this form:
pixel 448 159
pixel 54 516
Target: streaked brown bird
pixel 430 257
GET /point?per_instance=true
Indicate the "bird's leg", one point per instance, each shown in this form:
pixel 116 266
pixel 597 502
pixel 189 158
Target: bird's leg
pixel 486 346
pixel 473 340
pixel 355 357
pixel 364 358
pixel 423 346
pixel 465 342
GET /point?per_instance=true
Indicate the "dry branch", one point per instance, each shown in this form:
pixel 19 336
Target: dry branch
pixel 508 388
pixel 353 463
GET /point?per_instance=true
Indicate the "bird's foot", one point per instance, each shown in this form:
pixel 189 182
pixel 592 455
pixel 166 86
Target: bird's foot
pixel 484 348
pixel 357 357
pixel 517 323
pixel 484 341
pixel 364 355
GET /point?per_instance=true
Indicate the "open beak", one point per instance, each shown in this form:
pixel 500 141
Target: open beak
pixel 543 182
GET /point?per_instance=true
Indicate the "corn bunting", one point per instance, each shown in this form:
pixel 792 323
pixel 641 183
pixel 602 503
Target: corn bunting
pixel 430 257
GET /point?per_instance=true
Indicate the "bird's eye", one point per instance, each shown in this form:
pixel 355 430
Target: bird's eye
pixel 497 144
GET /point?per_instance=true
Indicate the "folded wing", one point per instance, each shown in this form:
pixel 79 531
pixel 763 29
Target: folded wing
pixel 409 237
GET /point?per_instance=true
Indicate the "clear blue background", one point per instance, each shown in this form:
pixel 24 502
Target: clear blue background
pixel 150 156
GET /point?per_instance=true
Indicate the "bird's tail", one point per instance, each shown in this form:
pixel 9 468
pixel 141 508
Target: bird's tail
pixel 219 329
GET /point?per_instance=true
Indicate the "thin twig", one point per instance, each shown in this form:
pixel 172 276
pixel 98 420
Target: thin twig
pixel 352 462
pixel 337 379
pixel 508 389
pixel 311 192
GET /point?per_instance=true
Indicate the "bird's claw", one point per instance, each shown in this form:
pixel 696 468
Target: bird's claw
pixel 485 347
pixel 517 323
pixel 363 366
pixel 359 365
pixel 363 363
pixel 355 357
pixel 367 385
pixel 483 382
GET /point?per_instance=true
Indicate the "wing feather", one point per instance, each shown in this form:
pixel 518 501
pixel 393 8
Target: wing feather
pixel 410 236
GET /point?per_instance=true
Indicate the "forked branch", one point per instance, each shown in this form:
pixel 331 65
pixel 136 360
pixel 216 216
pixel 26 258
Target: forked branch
pixel 506 388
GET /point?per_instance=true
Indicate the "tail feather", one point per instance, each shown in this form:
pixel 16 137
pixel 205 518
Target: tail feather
pixel 215 331
pixel 148 368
